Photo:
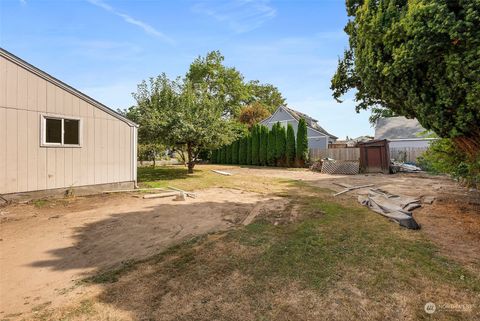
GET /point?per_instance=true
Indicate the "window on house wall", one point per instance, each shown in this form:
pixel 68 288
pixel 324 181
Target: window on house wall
pixel 58 131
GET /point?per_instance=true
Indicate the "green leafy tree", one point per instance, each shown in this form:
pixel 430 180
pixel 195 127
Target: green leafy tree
pixel 417 58
pixel 302 142
pixel 182 116
pixel 222 83
pixel 290 145
pixel 267 95
pixel 272 146
pixel 281 144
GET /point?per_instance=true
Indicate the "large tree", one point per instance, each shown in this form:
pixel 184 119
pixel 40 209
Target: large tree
pixel 220 82
pixel 266 94
pixel 417 58
pixel 182 115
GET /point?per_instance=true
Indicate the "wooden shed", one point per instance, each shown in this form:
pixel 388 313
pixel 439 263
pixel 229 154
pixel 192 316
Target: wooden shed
pixel 53 137
pixel 375 156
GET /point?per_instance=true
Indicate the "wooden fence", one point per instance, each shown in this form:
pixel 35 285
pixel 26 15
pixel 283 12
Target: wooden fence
pixel 344 154
pixel 406 154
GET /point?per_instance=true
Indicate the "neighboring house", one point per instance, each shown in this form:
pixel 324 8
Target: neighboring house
pixel 350 142
pixel 402 132
pixel 317 136
pixel 54 138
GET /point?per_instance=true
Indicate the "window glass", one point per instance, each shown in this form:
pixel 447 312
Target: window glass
pixel 53 131
pixel 71 135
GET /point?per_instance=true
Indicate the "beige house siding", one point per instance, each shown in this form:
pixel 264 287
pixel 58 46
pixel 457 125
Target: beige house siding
pixel 108 144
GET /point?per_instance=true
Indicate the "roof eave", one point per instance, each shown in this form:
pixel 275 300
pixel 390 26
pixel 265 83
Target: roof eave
pixel 8 55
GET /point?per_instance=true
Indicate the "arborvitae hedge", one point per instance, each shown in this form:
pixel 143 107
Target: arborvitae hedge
pixel 271 146
pixel 213 156
pixel 249 148
pixel 281 144
pixel 262 154
pixel 242 152
pixel 255 145
pixel 219 156
pixel 229 154
pixel 290 145
pixel 302 142
pixel 223 155
pixel 235 152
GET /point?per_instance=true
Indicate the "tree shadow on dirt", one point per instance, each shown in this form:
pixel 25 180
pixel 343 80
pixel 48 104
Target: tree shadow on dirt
pixel 123 237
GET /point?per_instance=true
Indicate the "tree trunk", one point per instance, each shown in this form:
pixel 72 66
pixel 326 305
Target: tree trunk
pixel 469 145
pixel 191 161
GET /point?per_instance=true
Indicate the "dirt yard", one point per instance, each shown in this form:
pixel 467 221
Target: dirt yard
pixel 48 247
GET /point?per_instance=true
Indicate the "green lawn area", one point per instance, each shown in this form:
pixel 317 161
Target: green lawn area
pixel 335 261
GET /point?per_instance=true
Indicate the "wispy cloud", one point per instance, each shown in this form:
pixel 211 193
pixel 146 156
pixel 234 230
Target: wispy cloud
pixel 23 2
pixel 127 18
pixel 240 15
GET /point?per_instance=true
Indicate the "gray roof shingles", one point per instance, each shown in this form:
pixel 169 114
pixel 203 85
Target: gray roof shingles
pixel 399 128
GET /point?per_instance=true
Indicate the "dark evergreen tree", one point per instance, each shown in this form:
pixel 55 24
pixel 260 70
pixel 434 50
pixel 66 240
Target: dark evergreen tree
pixel 271 146
pixel 242 152
pixel 229 154
pixel 263 145
pixel 235 152
pixel 281 144
pixel 213 157
pixel 255 145
pixel 302 143
pixel 249 149
pixel 223 155
pixel 290 145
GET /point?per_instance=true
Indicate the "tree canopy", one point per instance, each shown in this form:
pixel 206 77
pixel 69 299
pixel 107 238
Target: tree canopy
pixel 417 58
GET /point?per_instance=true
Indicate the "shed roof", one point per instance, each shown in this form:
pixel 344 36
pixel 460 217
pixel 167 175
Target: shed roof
pixel 399 128
pixel 8 55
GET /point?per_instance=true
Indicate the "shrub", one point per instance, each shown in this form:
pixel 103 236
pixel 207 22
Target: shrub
pixel 302 142
pixel 213 159
pixel 445 157
pixel 290 145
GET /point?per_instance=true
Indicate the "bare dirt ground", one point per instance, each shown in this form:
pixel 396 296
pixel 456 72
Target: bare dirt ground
pixel 45 250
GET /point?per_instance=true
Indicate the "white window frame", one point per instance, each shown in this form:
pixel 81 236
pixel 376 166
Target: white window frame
pixel 43 128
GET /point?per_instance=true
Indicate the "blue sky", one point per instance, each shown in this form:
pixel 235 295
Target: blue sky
pixel 105 47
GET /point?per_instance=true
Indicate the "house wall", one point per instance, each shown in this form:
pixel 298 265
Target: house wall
pixel 104 157
pixel 315 139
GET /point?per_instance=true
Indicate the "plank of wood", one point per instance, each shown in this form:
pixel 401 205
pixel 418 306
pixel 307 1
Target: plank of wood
pixel 221 172
pixel 352 188
pixel 167 194
pixel 136 190
pixel 189 194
